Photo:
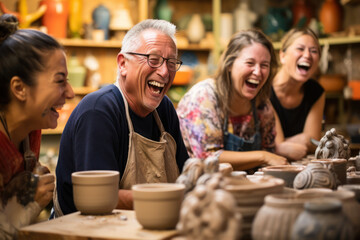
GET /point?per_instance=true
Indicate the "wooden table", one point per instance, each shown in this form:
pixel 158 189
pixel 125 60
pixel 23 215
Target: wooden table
pixel 121 224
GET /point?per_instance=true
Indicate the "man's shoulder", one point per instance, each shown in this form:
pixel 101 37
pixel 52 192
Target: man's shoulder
pixel 108 95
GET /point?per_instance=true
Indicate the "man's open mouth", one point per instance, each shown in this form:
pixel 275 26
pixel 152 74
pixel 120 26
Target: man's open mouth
pixel 156 87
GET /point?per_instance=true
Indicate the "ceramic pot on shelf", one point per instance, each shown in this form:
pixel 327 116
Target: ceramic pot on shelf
pixel 195 30
pixel 101 18
pixel 75 18
pixel 55 18
pixel 331 16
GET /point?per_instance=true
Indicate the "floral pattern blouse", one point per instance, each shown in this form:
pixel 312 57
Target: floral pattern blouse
pixel 201 122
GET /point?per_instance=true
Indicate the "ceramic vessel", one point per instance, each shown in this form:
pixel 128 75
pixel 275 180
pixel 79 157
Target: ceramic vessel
pixel 77 72
pixel 285 172
pixel 162 10
pixel 275 218
pixel 157 205
pixel 101 19
pixel 331 16
pixel 352 187
pixel 302 13
pixel 322 219
pixel 56 17
pixel 315 175
pixel 195 30
pixel 350 206
pixel 353 177
pixel 338 166
pixel 75 18
pixel 95 192
pixel 249 193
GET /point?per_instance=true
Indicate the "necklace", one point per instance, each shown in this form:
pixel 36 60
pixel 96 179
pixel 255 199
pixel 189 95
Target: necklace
pixel 4 123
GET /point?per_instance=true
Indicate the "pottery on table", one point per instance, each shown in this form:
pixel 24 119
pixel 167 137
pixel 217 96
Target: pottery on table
pixel 285 172
pixel 249 193
pixel 275 218
pixel 350 206
pixel 157 205
pixel 315 175
pixel 338 166
pixel 95 192
pixel 353 177
pixel 322 219
pixel 352 187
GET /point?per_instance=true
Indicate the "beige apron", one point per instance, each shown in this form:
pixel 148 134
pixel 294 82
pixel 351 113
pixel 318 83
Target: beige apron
pixel 149 161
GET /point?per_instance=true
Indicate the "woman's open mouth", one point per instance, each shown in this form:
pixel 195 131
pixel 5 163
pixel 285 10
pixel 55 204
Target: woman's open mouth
pixel 303 67
pixel 252 83
pixel 156 87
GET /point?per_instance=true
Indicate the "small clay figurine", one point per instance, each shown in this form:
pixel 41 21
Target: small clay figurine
pixel 333 145
pixel 207 212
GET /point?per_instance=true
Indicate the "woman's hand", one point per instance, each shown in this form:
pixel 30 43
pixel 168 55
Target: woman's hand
pixel 291 150
pixel 45 189
pixel 273 159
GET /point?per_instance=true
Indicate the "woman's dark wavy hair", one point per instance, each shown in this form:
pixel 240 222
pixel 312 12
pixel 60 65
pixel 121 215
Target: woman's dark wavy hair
pixel 21 54
pixel 237 43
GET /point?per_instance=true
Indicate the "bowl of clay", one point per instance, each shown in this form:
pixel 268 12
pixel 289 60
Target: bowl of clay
pixel 95 192
pixel 157 205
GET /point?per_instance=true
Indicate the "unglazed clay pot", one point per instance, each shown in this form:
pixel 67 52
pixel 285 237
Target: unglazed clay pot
pixel 95 192
pixel 275 218
pixel 249 194
pixel 315 175
pixel 322 219
pixel 338 167
pixel 157 205
pixel 285 172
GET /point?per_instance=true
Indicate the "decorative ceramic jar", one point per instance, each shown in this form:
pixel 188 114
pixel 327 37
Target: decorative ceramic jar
pixel 162 10
pixel 275 218
pixel 249 194
pixel 302 13
pixel 195 30
pixel 331 16
pixel 322 219
pixel 338 166
pixel 315 175
pixel 55 18
pixel 77 72
pixel 101 19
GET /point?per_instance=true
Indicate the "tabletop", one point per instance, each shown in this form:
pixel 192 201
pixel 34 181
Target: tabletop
pixel 120 225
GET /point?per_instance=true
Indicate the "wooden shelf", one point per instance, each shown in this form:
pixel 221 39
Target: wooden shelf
pixel 330 41
pixel 83 90
pixel 84 43
pixel 55 131
pixel 195 47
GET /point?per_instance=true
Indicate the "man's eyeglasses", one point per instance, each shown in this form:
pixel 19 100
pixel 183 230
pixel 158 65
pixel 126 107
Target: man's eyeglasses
pixel 155 61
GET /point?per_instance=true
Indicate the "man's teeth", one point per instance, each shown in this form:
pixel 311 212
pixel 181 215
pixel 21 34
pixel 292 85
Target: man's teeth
pixel 253 81
pixel 156 84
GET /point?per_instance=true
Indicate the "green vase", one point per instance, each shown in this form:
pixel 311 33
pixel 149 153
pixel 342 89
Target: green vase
pixel 162 10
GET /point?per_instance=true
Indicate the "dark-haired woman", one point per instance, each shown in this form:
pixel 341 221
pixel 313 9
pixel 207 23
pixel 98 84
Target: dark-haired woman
pixel 33 87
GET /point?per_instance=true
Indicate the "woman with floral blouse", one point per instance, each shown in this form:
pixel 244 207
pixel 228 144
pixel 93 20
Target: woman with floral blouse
pixel 230 116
